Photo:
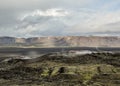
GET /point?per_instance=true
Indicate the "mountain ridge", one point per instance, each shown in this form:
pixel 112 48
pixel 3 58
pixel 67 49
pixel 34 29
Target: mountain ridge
pixel 60 41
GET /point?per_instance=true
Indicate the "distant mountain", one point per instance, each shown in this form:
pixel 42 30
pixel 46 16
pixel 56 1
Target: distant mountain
pixel 67 41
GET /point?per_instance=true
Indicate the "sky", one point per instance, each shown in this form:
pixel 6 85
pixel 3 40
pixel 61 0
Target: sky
pixel 35 18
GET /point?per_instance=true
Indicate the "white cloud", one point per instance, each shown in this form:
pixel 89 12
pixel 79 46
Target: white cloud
pixel 73 17
pixel 97 22
pixel 68 22
pixel 56 12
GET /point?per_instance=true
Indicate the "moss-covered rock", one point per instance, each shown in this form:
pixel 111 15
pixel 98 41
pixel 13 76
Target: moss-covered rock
pixel 51 70
pixel 106 69
pixel 45 72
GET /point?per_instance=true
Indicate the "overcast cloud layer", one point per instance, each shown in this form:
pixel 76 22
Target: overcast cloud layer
pixel 31 18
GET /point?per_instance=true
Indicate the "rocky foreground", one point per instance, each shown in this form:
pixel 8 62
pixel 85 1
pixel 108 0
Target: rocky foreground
pixel 55 69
